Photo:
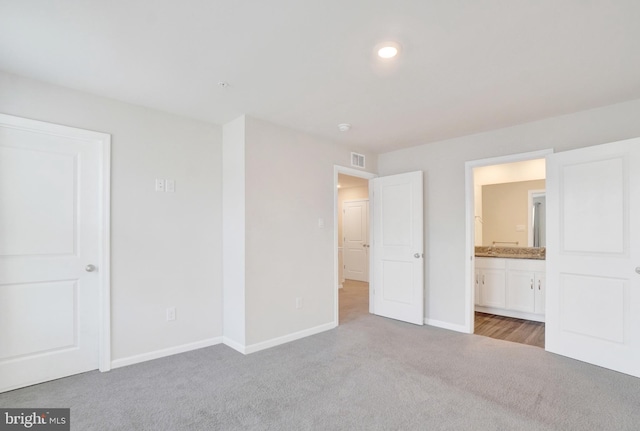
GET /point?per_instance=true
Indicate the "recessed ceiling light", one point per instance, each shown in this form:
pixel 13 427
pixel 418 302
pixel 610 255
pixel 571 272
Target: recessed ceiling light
pixel 388 50
pixel 344 127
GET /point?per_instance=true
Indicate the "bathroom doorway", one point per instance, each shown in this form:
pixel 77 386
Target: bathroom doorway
pixel 507 270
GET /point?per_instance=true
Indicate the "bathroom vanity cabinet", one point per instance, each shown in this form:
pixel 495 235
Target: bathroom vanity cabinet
pixel 510 287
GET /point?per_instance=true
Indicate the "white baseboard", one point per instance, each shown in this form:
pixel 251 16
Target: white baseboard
pixel 234 345
pixel 285 338
pixel 511 313
pixel 165 352
pixel 446 325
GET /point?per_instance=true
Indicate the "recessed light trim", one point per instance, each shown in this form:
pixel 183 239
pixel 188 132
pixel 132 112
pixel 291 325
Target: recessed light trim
pixel 388 50
pixel 344 127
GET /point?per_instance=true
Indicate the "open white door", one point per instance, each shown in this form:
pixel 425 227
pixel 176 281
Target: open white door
pixel 593 255
pixel 51 243
pixel 398 261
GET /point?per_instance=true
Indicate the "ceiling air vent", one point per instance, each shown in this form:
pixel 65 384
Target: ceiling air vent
pixel 357 160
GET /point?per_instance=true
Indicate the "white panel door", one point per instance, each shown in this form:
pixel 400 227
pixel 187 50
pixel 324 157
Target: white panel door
pixel 49 232
pixel 593 255
pixel 355 230
pixel 398 273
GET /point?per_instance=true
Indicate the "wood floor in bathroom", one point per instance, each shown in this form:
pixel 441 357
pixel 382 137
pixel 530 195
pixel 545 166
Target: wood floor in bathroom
pixel 510 329
pixel 354 303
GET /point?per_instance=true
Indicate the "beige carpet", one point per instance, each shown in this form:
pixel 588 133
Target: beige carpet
pixel 370 373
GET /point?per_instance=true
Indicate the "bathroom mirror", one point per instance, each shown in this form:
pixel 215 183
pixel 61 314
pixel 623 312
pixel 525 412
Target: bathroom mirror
pixel 504 204
pixel 513 214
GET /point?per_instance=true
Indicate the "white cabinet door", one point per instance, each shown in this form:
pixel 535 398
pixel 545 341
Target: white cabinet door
pixel 520 291
pixel 593 252
pixel 492 288
pixel 398 275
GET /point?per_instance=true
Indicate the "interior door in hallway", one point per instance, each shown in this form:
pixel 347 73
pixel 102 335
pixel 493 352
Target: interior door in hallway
pixel 50 237
pixel 397 247
pixel 355 229
pixel 593 255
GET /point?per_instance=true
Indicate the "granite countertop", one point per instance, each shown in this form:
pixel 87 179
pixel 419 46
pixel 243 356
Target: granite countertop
pixel 512 252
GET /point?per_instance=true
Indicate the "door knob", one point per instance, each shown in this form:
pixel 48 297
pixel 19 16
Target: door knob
pixel 638 269
pixel 90 268
pixel 417 255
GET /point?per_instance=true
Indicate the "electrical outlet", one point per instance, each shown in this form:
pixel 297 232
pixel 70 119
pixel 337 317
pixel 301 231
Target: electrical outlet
pixel 298 303
pixel 171 314
pixel 159 185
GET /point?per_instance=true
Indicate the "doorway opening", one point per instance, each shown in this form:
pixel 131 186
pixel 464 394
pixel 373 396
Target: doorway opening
pixel 352 246
pixel 506 243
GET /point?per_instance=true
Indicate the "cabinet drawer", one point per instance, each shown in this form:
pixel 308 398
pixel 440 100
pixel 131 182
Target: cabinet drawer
pixel 527 265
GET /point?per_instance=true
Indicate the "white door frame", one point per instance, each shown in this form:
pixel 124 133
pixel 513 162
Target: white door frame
pixel 104 261
pixel 532 194
pixel 470 225
pixel 336 284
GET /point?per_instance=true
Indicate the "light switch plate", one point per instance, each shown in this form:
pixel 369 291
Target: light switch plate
pixel 170 186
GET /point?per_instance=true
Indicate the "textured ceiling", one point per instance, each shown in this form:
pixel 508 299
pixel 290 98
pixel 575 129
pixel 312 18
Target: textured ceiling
pixel 465 66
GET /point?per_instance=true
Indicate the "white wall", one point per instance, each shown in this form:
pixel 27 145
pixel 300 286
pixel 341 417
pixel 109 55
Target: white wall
pixel 526 170
pixel 233 220
pixel 444 166
pixel 289 186
pixel 166 247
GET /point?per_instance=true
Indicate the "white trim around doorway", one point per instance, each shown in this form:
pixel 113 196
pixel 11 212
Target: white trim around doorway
pixel 105 257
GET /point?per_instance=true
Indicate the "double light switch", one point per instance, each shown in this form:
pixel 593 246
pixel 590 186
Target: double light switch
pixel 165 185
